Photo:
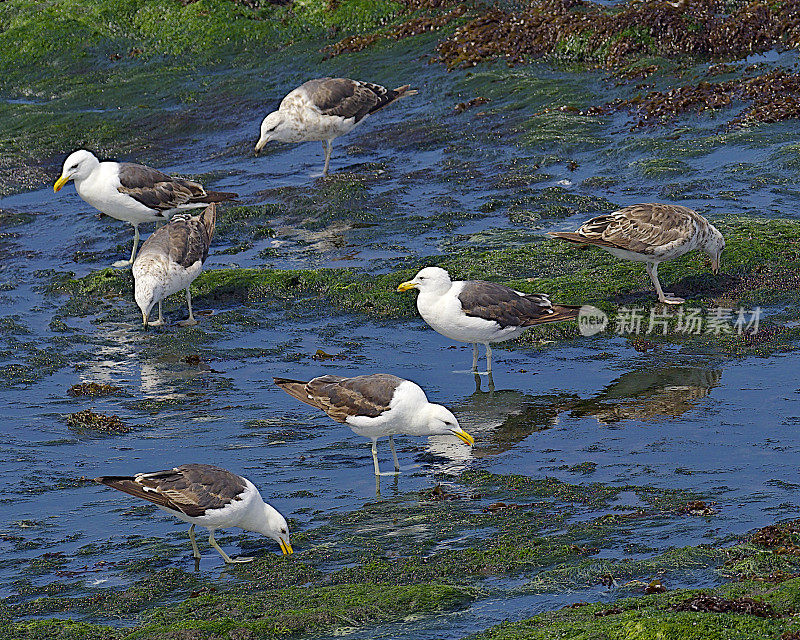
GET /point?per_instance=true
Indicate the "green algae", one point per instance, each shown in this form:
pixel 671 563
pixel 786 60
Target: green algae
pixel 296 610
pixel 651 618
pixel 56 630
pixel 106 75
pixel 348 574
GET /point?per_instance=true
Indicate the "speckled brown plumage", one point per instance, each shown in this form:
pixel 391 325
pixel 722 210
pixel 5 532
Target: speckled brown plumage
pixel 341 398
pixel 640 228
pixel 186 239
pixel 350 98
pixel 191 489
pixel 492 301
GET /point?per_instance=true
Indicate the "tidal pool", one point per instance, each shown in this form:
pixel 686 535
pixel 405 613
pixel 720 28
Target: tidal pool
pixel 416 180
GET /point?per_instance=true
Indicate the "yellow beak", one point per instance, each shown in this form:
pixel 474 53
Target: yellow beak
pixel 286 547
pixel 260 145
pixel 408 284
pixel 60 183
pixel 715 267
pixel 463 435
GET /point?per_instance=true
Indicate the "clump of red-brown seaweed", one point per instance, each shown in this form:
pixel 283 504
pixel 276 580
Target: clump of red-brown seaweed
pixel 773 97
pixel 585 32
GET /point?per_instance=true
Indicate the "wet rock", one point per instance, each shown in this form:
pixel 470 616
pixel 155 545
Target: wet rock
pixel 607 612
pixel 88 420
pixel 94 389
pixel 412 27
pixel 322 355
pixel 700 508
pixel 656 586
pixel 781 538
pixel 475 102
pixel 773 97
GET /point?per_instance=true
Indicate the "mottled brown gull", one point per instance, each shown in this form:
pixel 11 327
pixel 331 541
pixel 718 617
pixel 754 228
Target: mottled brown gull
pixel 324 109
pixel 377 405
pixel 170 260
pixel 651 233
pixel 133 193
pixel 205 495
pixel 480 312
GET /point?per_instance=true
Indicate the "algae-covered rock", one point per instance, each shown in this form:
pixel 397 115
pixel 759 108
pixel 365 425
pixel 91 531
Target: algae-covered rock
pixel 88 420
pixel 94 389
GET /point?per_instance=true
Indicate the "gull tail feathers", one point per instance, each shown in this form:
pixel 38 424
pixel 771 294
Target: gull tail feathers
pixel 217 196
pixel 297 389
pixel 561 313
pixel 209 219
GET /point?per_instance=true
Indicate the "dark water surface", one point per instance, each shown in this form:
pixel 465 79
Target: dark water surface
pixel 726 428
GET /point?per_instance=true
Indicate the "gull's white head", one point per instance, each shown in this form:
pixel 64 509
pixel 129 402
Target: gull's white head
pixel 437 420
pixel 273 127
pixel 273 525
pixel 77 167
pixel 428 280
pixel 713 246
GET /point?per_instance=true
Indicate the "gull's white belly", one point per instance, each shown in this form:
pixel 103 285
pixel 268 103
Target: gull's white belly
pixel 307 123
pixel 178 278
pixel 444 315
pixel 100 191
pixel 314 126
pixel 405 404
pixel 229 516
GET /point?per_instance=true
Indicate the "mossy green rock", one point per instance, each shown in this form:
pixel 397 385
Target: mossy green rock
pixel 653 618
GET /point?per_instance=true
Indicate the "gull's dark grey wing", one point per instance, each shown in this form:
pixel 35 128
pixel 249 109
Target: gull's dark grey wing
pixel 492 301
pixel 191 489
pixel 190 236
pixel 342 398
pixel 161 192
pixel 350 98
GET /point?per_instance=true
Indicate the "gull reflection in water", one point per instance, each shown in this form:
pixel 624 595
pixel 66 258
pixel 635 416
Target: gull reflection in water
pixel 648 394
pixel 500 419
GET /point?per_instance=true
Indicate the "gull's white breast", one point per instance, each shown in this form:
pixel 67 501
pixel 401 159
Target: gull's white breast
pixel 445 315
pixel 99 189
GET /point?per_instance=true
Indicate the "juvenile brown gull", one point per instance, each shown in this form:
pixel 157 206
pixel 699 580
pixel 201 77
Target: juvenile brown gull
pixel 209 496
pixel 133 193
pixel 170 260
pixel 651 233
pixel 377 405
pixel 324 109
pixel 480 312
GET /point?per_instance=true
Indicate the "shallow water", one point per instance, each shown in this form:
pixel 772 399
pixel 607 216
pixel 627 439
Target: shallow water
pixel 725 428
